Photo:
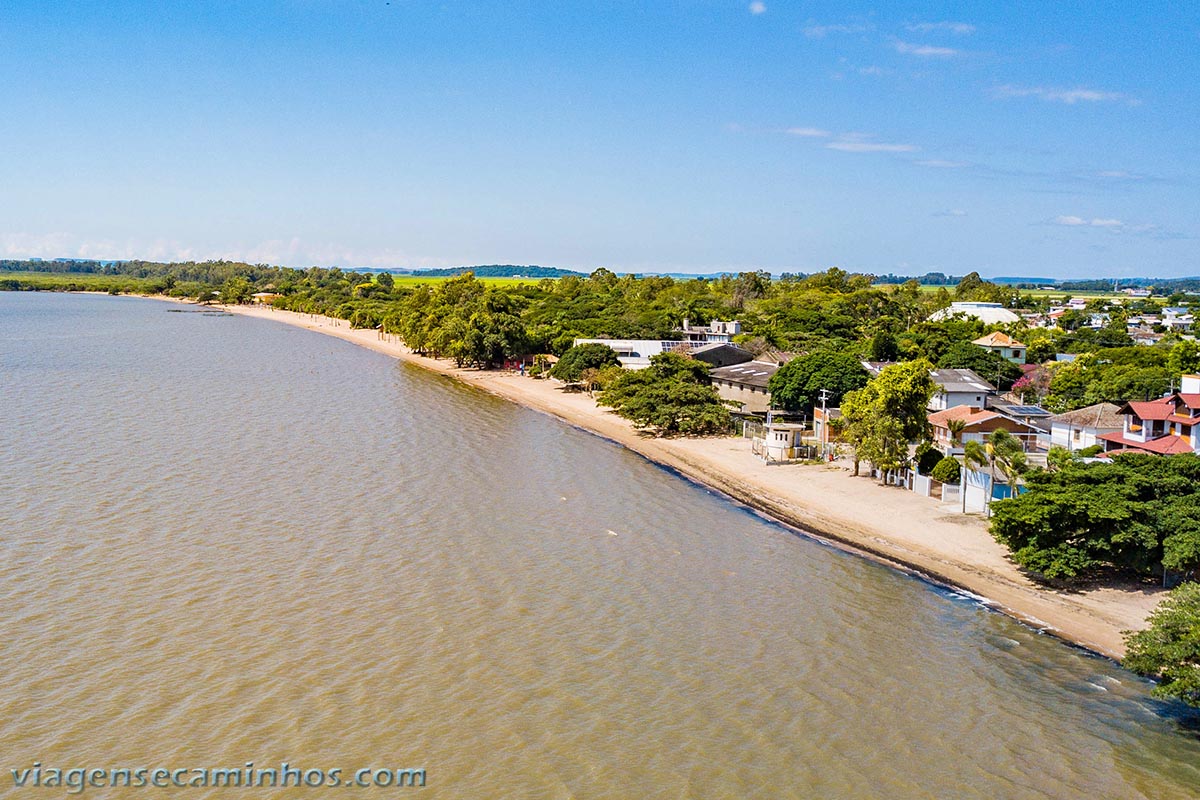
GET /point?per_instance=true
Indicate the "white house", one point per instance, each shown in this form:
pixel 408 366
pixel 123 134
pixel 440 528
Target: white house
pixel 1083 427
pixel 1005 345
pixel 635 353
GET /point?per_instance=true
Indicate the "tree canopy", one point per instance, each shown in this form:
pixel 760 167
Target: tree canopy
pixel 1140 513
pixel 797 384
pixel 670 396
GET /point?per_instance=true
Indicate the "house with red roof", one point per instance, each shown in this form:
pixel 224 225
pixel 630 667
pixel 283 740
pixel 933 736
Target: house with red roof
pixel 977 424
pixel 1166 426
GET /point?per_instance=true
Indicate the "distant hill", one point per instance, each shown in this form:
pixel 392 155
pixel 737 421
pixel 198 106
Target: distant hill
pixel 497 271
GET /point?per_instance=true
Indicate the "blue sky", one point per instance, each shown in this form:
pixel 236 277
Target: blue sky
pixel 1035 138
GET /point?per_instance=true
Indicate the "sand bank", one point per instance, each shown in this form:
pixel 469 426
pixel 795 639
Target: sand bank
pixel 888 523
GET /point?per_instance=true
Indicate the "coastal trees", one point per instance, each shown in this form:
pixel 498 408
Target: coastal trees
pixel 1170 648
pixel 797 384
pixel 1140 513
pixel 887 413
pixel 581 358
pixel 670 396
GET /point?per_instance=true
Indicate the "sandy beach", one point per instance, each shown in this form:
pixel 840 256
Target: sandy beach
pixel 887 523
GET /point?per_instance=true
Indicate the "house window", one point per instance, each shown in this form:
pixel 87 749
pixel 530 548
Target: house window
pixel 1075 435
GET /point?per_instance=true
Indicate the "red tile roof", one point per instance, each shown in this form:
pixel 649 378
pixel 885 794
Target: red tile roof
pixel 1163 445
pixel 1190 400
pixel 970 415
pixel 1150 409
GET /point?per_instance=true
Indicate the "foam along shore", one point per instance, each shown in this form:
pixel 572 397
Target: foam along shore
pixel 887 523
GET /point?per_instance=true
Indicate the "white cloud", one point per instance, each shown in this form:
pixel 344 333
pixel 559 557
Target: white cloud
pixel 1072 221
pixel 812 133
pixel 938 163
pixel 821 31
pixel 860 146
pixel 926 50
pixel 957 28
pixel 757 7
pixel 870 70
pixel 953 212
pixel 1068 96
pixel 1118 175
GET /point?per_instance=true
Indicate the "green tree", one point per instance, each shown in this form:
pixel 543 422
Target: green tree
pixel 887 413
pixel 385 280
pixel 1170 648
pixel 1184 357
pixel 797 384
pixel 584 357
pixel 670 396
pixel 988 364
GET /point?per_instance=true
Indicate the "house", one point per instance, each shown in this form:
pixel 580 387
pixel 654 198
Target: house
pixel 1003 344
pixel 977 424
pixel 1077 303
pixel 959 387
pixel 721 354
pixel 955 387
pixel 1083 427
pixel 635 353
pixel 746 385
pixel 1034 416
pixel 990 313
pixel 1177 318
pixel 1166 425
pixel 822 428
pixel 1137 292
pixel 264 298
pixel 717 331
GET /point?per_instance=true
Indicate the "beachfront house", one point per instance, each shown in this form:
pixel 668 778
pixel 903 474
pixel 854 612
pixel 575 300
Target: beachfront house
pixel 1003 344
pixel 636 353
pixel 746 385
pixel 1165 426
pixel 1083 427
pixel 977 423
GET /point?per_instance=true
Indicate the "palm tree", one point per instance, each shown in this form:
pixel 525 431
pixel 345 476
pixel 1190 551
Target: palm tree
pixel 1007 454
pixel 956 426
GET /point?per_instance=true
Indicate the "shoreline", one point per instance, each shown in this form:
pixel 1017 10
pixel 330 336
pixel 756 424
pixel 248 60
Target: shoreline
pixel 887 524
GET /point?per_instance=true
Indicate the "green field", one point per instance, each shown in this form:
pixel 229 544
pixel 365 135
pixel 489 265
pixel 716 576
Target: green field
pixel 1030 292
pixel 79 281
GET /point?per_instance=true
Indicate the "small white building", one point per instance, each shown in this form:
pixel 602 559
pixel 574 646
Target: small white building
pixel 1083 427
pixel 780 441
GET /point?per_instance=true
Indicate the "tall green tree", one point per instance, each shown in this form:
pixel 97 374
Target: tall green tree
pixel 670 396
pixel 890 411
pixel 583 357
pixel 797 384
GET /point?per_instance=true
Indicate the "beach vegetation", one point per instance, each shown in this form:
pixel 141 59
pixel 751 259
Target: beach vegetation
pixel 887 413
pixel 1169 649
pixel 1139 514
pixel 584 357
pixel 671 396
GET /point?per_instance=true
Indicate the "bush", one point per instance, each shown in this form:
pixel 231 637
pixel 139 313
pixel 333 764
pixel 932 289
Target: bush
pixel 928 457
pixel 947 470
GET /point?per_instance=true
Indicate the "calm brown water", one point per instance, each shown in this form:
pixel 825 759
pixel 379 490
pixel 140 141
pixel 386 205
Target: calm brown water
pixel 225 540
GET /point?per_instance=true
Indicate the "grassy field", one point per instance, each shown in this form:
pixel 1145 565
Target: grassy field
pixel 1032 292
pixel 59 281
